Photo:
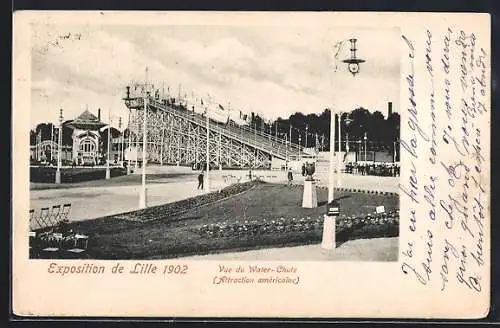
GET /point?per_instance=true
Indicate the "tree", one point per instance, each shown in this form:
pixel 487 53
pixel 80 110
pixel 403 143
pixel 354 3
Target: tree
pixel 115 133
pixel 45 130
pixel 393 127
pixel 360 123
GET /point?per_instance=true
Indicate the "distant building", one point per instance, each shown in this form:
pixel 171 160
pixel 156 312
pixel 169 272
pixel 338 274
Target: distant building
pixel 86 138
pixel 86 143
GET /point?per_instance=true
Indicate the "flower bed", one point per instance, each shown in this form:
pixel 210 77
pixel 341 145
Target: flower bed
pixel 287 225
pixel 170 210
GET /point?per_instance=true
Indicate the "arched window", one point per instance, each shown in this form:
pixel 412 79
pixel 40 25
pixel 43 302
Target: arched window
pixel 87 146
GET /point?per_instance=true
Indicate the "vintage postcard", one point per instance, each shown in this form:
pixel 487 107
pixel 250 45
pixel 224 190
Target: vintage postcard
pixel 251 164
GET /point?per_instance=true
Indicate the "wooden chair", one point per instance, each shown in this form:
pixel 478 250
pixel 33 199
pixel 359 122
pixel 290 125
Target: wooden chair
pixel 44 215
pixel 80 247
pixel 66 209
pixel 55 215
pixel 53 248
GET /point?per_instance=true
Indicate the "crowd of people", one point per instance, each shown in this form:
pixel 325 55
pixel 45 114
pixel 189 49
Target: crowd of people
pixel 379 169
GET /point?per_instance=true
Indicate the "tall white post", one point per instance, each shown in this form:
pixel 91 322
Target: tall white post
pixel 307 128
pixel 59 148
pixel 219 151
pixel 136 143
pixel 300 142
pixel 365 147
pixel 142 196
pixel 339 160
pixel 52 144
pixel 332 150
pixel 108 174
pixel 128 145
pixel 122 158
pixel 162 144
pixel 286 152
pixel 206 185
pixel 394 152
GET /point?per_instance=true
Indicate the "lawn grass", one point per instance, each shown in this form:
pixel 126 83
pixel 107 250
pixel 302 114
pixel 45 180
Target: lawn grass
pixel 152 234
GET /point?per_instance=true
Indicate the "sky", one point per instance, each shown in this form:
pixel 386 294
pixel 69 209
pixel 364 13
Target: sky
pixel 273 71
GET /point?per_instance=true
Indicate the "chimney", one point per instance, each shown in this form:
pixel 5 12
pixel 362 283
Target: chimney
pixel 99 114
pixel 389 109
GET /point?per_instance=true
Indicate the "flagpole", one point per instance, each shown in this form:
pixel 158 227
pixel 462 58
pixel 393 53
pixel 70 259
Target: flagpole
pixel 219 151
pixel 365 146
pixel 307 128
pixel 142 196
pixel 122 158
pixel 129 147
pixel 339 160
pixel 108 175
pixel 276 130
pixel 58 171
pixel 51 144
pixel 286 152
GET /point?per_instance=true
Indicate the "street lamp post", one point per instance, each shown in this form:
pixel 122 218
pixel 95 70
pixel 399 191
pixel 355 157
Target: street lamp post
pixel 332 152
pixel 328 241
pixel 59 147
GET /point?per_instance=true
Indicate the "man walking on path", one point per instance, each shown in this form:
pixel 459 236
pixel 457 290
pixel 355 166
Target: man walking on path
pixel 200 180
pixel 290 177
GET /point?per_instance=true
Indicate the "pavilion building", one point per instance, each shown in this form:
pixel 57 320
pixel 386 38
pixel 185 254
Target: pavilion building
pixel 86 138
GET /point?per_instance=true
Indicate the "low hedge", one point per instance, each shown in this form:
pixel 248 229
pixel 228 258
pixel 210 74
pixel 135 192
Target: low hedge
pixel 69 175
